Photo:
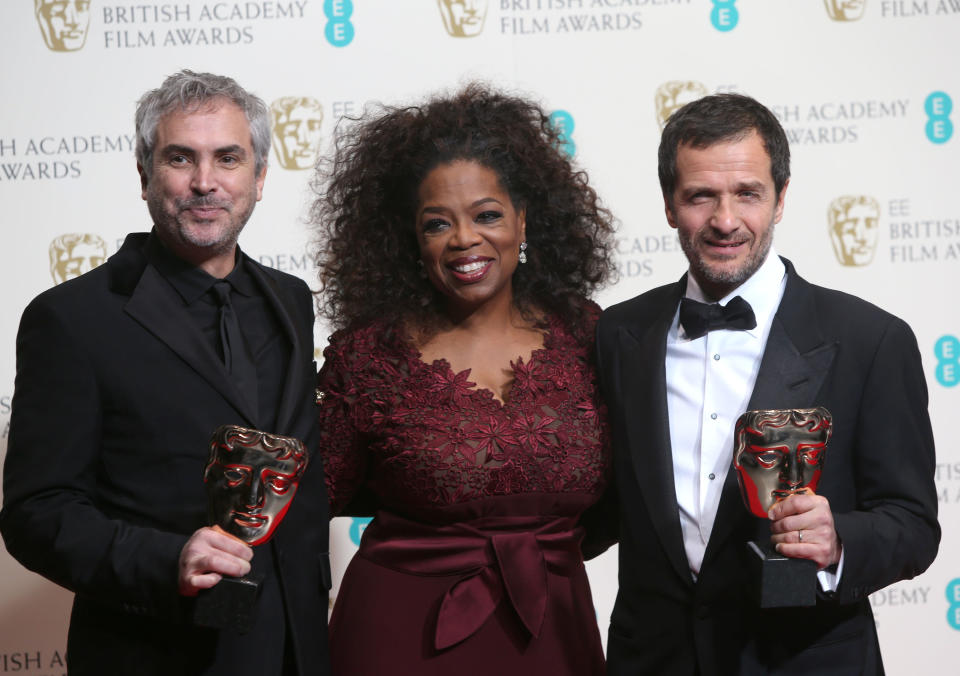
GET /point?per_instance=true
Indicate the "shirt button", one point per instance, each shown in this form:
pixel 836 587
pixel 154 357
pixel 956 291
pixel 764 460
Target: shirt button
pixel 716 357
pixel 712 476
pixel 713 416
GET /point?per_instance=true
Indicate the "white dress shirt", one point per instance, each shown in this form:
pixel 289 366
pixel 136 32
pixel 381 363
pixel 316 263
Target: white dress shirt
pixel 709 383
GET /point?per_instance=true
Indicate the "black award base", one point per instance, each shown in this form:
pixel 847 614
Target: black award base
pixel 779 581
pixel 230 604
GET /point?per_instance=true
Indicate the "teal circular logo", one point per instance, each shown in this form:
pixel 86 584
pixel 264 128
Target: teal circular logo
pixel 358 524
pixel 338 9
pixel 947 352
pixel 939 131
pixel 939 127
pixel 938 104
pixel 563 122
pixel 724 16
pixel 338 31
pixel 953 598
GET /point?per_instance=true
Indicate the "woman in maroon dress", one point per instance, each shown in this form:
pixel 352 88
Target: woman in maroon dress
pixel 458 401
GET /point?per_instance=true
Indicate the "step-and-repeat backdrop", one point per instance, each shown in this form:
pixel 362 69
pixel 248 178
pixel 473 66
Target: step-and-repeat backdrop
pixel 865 89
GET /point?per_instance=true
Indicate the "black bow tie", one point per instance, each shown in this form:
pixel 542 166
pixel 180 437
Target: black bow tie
pixel 699 318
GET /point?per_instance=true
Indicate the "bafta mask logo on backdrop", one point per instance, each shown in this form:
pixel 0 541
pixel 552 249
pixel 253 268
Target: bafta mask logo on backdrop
pixel 296 130
pixel 674 94
pixel 845 10
pixel 463 18
pixel 63 23
pixel 73 254
pixel 854 224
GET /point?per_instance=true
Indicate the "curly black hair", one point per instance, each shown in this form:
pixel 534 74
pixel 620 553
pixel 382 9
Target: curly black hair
pixel 367 197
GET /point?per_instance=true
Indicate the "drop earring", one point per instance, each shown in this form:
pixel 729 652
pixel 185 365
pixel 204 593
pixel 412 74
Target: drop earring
pixel 523 252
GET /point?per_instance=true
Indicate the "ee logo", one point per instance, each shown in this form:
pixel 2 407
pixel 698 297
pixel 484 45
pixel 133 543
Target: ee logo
pixel 339 30
pixel 562 121
pixel 724 16
pixel 938 107
pixel 947 352
pixel 953 598
pixel 358 524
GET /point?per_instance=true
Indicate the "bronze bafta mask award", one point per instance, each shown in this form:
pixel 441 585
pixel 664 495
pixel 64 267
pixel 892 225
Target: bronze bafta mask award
pixel 250 478
pixel 776 454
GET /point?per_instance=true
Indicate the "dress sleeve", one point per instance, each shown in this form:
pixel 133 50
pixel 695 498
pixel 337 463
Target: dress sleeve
pixel 345 412
pixel 601 520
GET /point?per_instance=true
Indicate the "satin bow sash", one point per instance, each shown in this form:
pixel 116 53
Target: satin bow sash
pixel 504 554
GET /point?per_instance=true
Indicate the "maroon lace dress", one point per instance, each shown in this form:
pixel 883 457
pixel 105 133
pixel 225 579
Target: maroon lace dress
pixel 472 564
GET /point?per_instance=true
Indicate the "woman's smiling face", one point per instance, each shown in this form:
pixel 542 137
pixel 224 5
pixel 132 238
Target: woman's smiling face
pixel 469 233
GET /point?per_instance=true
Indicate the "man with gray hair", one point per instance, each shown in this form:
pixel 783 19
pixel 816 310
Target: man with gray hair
pixel 124 373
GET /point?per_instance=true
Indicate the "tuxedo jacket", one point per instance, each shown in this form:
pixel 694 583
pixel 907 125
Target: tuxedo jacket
pixel 117 394
pixel 825 348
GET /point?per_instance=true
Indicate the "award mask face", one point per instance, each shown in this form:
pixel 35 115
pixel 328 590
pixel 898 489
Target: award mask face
pixel 251 478
pixel 779 453
pixel 854 228
pixel 73 254
pixel 296 131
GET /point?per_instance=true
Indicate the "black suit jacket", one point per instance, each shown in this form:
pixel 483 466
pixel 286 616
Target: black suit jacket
pixel 827 349
pixel 116 397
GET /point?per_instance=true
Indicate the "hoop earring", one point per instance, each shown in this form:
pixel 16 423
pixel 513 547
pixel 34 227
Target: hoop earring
pixel 523 252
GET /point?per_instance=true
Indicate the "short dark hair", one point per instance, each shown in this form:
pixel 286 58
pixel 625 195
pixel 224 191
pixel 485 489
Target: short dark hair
pixel 717 118
pixel 365 209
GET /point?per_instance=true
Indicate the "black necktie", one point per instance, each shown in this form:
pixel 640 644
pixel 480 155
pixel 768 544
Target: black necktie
pixel 699 318
pixel 235 355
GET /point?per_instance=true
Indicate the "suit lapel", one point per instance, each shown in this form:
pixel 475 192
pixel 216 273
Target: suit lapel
pixel 795 363
pixel 648 429
pixel 157 308
pixel 285 311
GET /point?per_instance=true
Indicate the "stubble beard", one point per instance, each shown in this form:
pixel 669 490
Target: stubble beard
pixel 187 235
pixel 725 279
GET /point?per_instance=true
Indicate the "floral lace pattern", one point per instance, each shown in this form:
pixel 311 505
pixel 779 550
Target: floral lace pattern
pixel 418 434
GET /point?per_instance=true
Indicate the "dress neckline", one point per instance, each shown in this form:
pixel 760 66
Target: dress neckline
pixel 441 364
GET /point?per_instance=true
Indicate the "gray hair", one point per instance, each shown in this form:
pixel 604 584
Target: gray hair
pixel 189 91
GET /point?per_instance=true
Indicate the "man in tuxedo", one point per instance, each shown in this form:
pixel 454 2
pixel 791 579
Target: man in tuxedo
pixel 124 373
pixel 743 331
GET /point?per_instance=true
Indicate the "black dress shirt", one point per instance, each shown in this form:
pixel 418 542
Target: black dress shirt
pixel 270 349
